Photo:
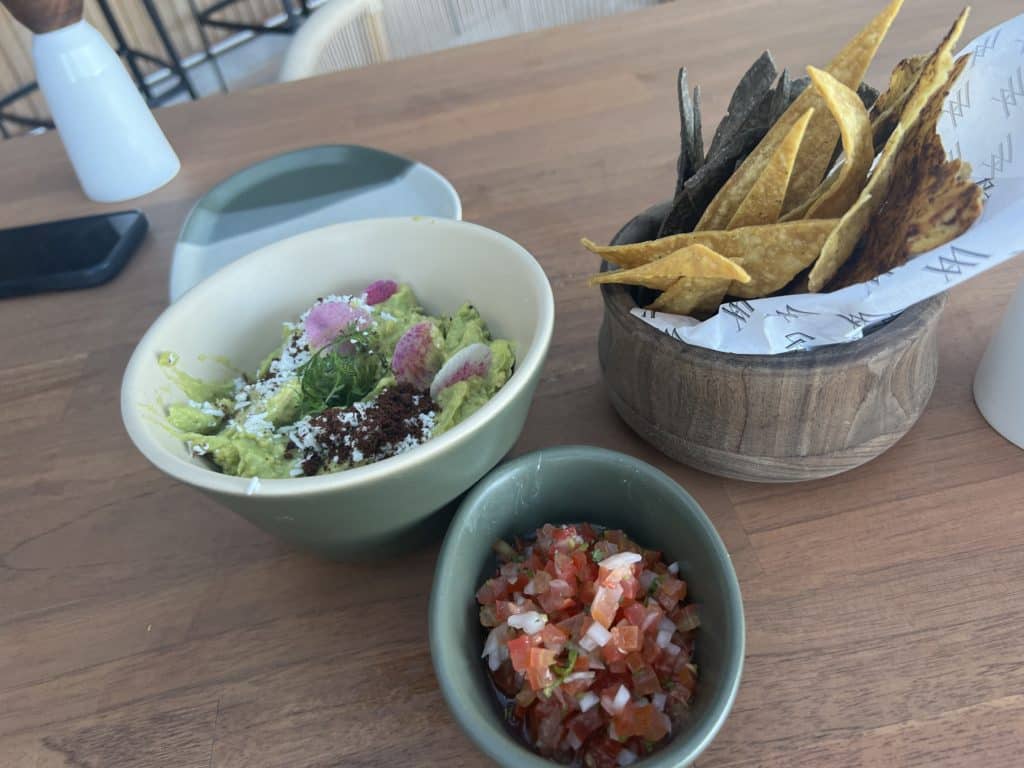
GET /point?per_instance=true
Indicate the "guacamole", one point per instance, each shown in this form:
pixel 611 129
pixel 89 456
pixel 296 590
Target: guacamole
pixel 355 380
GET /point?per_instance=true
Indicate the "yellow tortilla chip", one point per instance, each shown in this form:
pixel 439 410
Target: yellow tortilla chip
pixel 772 255
pixel 732 243
pixel 763 203
pixel 848 67
pixel 935 77
pixel 836 197
pixel 773 262
pixel 692 296
pixel 691 261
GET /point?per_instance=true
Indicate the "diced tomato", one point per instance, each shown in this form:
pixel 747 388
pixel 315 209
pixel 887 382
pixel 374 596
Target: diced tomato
pixel 635 661
pixel 545 724
pixel 630 588
pixel 687 677
pixel 585 723
pixel 552 603
pixel 492 591
pixel 553 638
pixel 671 591
pixel 519 652
pixel 582 664
pixel 573 626
pixel 565 566
pixel 610 652
pixel 563 588
pixel 649 723
pixel 645 681
pixel 538 671
pixel 579 559
pixel 651 652
pixel 652 558
pixel 505 608
pixel 618 667
pixel 586 592
pixel 626 637
pixel 635 614
pixel 605 605
pixel 654 617
pixel 602 752
pixel 625 723
pixel 689 619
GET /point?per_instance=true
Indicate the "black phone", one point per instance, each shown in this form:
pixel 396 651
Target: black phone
pixel 69 254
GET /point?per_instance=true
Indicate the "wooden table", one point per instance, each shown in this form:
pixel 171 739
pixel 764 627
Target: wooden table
pixel 141 625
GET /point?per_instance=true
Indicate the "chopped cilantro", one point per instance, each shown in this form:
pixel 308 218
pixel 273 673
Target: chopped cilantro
pixel 562 672
pixel 648 745
pixel 597 555
pixel 655 585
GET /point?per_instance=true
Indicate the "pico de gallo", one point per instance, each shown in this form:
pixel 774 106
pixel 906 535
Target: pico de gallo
pixel 590 644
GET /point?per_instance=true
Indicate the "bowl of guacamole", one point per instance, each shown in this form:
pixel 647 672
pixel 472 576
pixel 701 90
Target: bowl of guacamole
pixel 340 388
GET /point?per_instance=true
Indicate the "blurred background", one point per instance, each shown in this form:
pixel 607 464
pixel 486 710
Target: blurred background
pixel 188 49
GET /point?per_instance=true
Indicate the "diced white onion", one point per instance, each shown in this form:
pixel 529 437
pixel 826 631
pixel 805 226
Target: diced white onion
pixel 588 700
pixel 588 644
pixel 573 740
pixel 620 560
pixel 598 634
pixel 664 637
pixel 649 620
pixel 596 663
pixel 621 699
pixel 530 622
pixel 579 676
pixel 531 587
pixel 667 625
pixel 558 584
pixel 674 568
pixel 626 757
pixel 646 579
pixel 658 700
pixel 494 645
pixel 672 649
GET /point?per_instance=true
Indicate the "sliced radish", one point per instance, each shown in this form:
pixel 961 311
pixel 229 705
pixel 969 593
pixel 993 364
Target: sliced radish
pixel 468 362
pixel 417 355
pixel 380 291
pixel 327 320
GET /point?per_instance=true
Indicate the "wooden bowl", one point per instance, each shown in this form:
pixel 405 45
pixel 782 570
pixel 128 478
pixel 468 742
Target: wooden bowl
pixel 767 418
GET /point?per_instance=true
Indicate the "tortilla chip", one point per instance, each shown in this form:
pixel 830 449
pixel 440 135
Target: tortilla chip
pixel 848 67
pixel 749 91
pixel 691 261
pixel 886 111
pixel 835 197
pixel 763 203
pixel 774 261
pixel 931 201
pixel 692 296
pixel 732 243
pixel 934 78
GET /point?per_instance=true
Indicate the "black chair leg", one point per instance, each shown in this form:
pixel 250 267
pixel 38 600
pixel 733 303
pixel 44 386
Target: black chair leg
pixel 208 47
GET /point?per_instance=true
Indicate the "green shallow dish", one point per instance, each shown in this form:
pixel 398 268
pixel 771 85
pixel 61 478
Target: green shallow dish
pixel 577 484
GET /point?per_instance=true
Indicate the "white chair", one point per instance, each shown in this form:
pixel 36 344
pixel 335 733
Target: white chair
pixel 345 34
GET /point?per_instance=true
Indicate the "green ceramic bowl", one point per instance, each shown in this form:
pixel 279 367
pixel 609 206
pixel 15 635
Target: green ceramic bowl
pixel 573 484
pixel 380 509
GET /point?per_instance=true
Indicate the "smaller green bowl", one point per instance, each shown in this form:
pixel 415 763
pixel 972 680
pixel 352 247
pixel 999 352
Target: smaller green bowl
pixel 581 484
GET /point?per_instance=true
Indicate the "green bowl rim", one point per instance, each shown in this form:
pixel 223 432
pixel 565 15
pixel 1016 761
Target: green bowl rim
pixel 508 751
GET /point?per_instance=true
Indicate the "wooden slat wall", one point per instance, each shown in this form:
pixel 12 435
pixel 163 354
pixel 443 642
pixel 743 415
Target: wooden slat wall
pixel 15 45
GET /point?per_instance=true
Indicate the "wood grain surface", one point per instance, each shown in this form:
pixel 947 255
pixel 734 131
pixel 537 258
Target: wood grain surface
pixel 142 625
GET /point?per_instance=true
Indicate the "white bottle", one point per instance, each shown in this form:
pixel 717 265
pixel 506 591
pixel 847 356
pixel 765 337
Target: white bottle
pixel 115 144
